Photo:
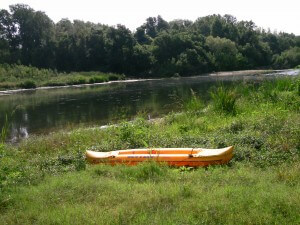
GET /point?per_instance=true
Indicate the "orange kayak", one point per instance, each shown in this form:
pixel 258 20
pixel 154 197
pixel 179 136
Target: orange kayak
pixel 194 157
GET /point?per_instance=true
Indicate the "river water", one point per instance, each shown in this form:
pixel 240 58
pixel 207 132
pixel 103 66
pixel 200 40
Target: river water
pixel 46 110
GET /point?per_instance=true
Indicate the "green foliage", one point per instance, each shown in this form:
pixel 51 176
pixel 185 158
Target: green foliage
pixel 224 100
pixel 156 48
pixel 134 135
pixel 27 84
pixel 13 76
pixel 288 59
pixel 97 79
pixel 175 198
pixel 224 52
pixel 77 80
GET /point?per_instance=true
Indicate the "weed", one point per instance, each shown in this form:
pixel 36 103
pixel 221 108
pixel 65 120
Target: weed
pixel 135 135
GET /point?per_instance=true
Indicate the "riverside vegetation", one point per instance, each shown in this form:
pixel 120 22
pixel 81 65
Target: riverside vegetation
pixel 19 76
pixel 45 179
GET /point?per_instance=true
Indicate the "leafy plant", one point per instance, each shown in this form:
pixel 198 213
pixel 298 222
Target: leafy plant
pixel 135 135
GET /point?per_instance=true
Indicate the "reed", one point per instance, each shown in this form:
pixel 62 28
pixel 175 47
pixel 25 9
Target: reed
pixel 224 100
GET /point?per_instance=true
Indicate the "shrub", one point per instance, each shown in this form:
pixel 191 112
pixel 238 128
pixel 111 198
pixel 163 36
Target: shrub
pixel 97 79
pixel 28 84
pixel 112 77
pixel 134 135
pixel 55 83
pixel 77 80
pixel 288 59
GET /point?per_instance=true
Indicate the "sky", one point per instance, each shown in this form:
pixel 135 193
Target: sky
pixel 278 15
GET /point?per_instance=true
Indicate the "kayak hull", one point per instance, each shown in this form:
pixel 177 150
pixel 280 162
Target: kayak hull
pixel 193 157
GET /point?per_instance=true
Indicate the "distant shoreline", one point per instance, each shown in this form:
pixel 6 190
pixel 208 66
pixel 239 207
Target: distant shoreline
pixel 242 72
pixel 213 74
pixel 5 92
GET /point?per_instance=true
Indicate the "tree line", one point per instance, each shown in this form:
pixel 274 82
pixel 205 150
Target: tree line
pixel 156 48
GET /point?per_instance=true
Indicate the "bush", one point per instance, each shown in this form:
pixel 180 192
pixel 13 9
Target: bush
pixel 113 77
pixel 97 79
pixel 287 59
pixel 134 135
pixel 55 83
pixel 77 80
pixel 27 84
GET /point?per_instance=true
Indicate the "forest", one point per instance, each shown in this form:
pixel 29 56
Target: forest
pixel 155 49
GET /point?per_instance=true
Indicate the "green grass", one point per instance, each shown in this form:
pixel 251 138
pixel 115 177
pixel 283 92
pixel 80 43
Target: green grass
pixel 224 100
pixel 18 76
pixel 45 179
pixel 129 195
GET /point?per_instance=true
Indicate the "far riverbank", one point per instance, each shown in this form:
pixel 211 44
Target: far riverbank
pixel 29 78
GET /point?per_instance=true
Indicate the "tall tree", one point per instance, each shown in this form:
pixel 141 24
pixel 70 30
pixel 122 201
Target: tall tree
pixel 35 31
pixel 8 42
pixel 119 45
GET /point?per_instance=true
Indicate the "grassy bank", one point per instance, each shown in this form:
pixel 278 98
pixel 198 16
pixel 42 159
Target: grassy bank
pixel 18 76
pixel 45 179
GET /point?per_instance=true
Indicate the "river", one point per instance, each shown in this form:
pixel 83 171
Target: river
pixel 46 110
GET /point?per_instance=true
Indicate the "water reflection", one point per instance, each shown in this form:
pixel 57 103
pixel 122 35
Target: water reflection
pixel 18 133
pixel 42 111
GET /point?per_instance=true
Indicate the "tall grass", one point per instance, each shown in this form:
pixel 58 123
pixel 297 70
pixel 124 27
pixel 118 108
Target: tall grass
pixel 127 195
pixel 5 127
pixel 224 100
pixel 4 130
pixel 193 104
